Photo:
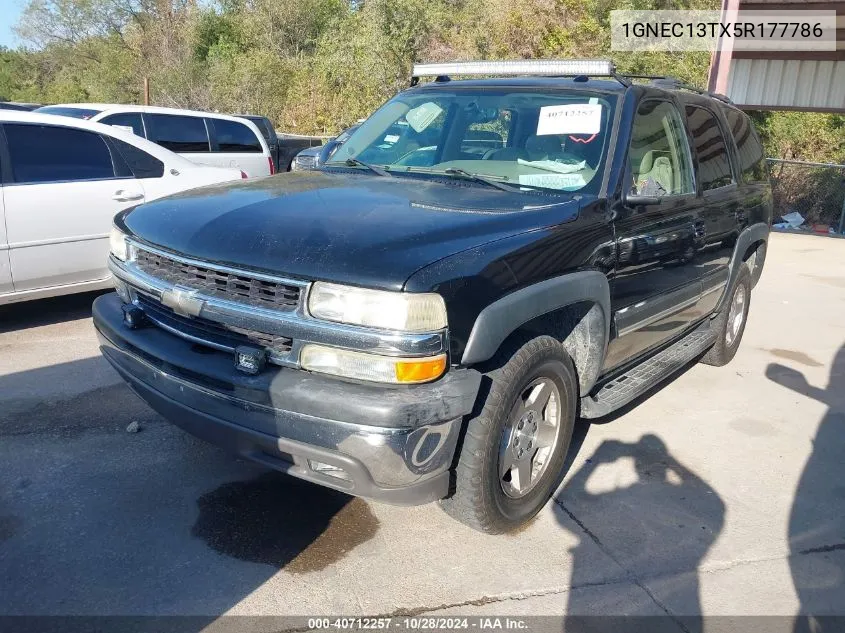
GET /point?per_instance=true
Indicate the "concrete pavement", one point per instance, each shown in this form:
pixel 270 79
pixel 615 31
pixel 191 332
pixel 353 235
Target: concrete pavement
pixel 723 493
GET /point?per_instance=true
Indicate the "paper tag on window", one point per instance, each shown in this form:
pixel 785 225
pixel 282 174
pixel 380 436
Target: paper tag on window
pixel 421 117
pixel 391 138
pixel 553 181
pixel 571 118
pixel 125 128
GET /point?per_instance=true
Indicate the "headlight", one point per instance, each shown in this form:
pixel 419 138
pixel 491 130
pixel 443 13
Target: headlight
pixel 404 311
pixel 360 366
pixel 118 245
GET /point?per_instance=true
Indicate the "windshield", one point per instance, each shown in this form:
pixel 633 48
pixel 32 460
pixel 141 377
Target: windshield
pixel 553 140
pixel 76 113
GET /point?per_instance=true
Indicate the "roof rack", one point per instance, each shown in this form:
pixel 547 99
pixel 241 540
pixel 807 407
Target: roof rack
pixel 673 83
pixel 545 67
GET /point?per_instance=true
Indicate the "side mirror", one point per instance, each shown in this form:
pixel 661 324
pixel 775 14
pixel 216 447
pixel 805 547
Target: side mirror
pixel 329 150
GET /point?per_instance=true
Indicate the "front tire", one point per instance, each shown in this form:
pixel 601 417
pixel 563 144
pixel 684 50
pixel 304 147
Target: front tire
pixel 730 322
pixel 515 444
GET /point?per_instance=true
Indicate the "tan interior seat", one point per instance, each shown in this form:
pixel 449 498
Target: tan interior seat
pixel 656 166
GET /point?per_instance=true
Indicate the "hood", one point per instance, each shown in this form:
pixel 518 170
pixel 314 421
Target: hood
pixel 349 227
pixel 311 151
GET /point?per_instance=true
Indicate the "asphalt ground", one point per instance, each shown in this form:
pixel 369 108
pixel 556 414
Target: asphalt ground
pixel 722 493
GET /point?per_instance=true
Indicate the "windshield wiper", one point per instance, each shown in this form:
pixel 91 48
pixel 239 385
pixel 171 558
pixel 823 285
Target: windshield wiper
pixel 354 162
pixel 453 171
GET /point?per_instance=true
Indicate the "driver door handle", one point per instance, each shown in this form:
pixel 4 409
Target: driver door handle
pixel 121 195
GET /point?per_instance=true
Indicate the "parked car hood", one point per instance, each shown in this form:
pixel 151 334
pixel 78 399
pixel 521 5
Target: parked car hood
pixel 348 227
pixel 311 151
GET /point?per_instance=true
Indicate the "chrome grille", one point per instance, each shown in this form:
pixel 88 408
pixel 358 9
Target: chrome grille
pixel 210 332
pixel 306 162
pixel 238 287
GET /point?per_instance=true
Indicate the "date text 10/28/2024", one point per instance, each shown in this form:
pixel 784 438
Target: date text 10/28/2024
pixel 422 623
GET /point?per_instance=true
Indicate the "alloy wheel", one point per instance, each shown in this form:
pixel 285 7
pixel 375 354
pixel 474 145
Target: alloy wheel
pixel 529 437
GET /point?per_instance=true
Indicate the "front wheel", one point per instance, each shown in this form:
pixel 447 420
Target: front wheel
pixel 514 447
pixel 730 322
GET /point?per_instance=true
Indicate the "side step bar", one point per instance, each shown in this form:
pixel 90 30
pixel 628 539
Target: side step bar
pixel 639 379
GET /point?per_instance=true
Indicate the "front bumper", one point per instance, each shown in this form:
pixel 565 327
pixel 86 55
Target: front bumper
pixel 393 444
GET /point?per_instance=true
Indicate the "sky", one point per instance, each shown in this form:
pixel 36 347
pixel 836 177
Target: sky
pixel 10 11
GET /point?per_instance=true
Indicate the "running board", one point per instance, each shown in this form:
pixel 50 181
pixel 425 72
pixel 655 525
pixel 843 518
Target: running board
pixel 639 379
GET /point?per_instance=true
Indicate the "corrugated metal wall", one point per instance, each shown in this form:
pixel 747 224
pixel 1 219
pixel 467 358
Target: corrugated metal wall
pixel 787 83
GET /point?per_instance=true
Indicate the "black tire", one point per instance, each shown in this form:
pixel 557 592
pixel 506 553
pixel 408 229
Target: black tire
pixel 723 350
pixel 479 498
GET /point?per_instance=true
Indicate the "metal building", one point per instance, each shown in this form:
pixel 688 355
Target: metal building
pixel 812 81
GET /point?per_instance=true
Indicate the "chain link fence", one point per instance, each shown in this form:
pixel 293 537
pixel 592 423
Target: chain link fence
pixel 816 191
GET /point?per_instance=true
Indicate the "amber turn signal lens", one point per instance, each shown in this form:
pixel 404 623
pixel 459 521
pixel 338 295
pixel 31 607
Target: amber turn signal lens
pixel 409 371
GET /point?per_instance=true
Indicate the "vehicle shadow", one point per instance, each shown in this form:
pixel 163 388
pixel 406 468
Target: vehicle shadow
pixel 817 519
pixel 98 521
pixel 652 516
pixel 29 314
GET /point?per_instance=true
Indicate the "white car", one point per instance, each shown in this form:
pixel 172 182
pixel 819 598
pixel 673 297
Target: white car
pixel 63 181
pixel 201 137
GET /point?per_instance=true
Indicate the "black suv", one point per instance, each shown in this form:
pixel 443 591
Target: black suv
pixel 425 317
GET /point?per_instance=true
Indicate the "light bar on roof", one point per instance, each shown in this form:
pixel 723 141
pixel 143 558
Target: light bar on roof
pixel 560 67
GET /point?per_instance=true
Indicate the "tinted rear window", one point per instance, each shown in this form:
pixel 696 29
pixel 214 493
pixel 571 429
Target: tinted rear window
pixel 16 106
pixel 76 113
pixel 141 164
pixel 714 167
pixel 179 133
pixel 262 124
pixel 235 137
pixel 131 120
pixel 49 153
pixel 752 161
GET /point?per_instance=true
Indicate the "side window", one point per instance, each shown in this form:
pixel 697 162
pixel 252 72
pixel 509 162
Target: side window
pixel 235 137
pixel 141 164
pixel 264 127
pixel 179 133
pixel 714 167
pixel 127 120
pixel 47 153
pixel 659 154
pixel 752 162
pixel 491 133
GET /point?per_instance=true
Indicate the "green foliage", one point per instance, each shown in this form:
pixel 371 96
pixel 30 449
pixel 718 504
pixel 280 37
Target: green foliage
pixel 810 136
pixel 15 66
pixel 316 66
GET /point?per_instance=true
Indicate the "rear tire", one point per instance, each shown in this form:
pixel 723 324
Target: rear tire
pixel 730 322
pixel 516 440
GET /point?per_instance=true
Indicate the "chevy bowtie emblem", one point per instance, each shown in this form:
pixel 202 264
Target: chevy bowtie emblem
pixel 182 301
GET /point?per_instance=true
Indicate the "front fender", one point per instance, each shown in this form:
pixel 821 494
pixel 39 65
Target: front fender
pixel 500 319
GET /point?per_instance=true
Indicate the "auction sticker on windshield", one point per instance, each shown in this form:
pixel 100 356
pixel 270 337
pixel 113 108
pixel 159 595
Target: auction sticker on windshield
pixel 553 181
pixel 570 118
pixel 422 116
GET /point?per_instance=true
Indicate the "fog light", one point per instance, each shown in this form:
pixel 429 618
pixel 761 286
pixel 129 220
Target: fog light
pixel 133 317
pixel 328 469
pixel 250 360
pixel 122 290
